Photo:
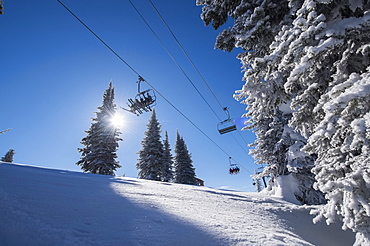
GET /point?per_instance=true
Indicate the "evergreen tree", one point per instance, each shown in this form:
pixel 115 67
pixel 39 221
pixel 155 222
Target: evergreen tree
pixel 318 56
pixel 167 165
pixel 342 143
pixel 256 23
pixel 150 163
pixel 184 170
pixel 101 143
pixel 8 156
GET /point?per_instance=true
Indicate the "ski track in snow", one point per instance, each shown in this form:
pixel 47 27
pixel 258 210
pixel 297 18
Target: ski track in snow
pixel 43 206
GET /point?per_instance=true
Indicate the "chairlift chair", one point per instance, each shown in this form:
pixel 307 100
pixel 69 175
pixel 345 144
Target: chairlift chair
pixel 143 102
pixel 147 98
pixel 227 125
pixel 234 169
pixel 258 171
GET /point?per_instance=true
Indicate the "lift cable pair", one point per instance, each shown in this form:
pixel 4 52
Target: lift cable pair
pixel 143 80
pixel 224 126
pixel 171 56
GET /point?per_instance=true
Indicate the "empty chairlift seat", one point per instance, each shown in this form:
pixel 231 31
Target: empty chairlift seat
pixel 226 126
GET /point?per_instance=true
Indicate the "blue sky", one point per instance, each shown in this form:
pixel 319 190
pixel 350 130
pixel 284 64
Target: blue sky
pixel 54 73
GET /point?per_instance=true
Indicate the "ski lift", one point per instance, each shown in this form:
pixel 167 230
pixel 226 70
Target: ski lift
pixel 143 102
pixel 234 169
pixel 257 181
pixel 227 125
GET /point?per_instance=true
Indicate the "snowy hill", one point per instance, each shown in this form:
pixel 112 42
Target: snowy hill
pixel 41 206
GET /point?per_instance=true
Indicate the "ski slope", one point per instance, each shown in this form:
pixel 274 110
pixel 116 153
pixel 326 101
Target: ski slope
pixel 41 206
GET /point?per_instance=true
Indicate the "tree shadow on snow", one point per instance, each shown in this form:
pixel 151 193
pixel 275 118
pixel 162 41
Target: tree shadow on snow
pixel 319 234
pixel 49 207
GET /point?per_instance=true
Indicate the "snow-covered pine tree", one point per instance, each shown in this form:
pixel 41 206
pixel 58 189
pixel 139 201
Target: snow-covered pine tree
pixel 167 165
pixel 256 23
pixel 342 143
pixel 184 170
pixel 320 52
pixel 329 57
pixel 150 163
pixel 8 156
pixel 101 143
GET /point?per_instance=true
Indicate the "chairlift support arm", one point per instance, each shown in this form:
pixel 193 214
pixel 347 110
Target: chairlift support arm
pixel 138 86
pixel 227 113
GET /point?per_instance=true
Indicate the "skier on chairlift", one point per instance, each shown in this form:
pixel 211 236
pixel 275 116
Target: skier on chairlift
pixel 144 100
pixel 234 170
pixel 149 98
pixel 237 170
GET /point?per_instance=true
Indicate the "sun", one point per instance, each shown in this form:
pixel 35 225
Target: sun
pixel 117 120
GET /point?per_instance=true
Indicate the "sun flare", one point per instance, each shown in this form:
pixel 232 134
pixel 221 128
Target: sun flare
pixel 117 120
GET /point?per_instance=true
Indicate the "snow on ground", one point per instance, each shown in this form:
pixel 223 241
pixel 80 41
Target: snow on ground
pixel 41 206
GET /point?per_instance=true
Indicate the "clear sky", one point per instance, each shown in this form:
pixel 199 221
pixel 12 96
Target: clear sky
pixel 54 73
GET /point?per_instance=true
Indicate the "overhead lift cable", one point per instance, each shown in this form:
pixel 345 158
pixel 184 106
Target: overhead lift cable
pixel 173 58
pixel 191 62
pixel 182 70
pixel 185 53
pixel 126 63
pixel 189 59
pixel 119 57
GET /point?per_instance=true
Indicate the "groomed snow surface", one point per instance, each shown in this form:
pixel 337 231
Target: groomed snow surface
pixel 41 206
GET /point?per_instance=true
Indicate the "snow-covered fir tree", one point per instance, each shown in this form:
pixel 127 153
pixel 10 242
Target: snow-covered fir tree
pixel 342 143
pixel 101 143
pixel 329 83
pixel 184 170
pixel 8 156
pixel 318 56
pixel 167 164
pixel 150 163
pixel 268 104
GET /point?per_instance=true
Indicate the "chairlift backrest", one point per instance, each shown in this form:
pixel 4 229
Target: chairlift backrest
pixel 148 97
pixel 226 126
pixel 227 129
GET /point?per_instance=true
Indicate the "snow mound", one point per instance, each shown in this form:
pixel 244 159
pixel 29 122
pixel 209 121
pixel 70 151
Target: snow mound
pixel 285 189
pixel 43 206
